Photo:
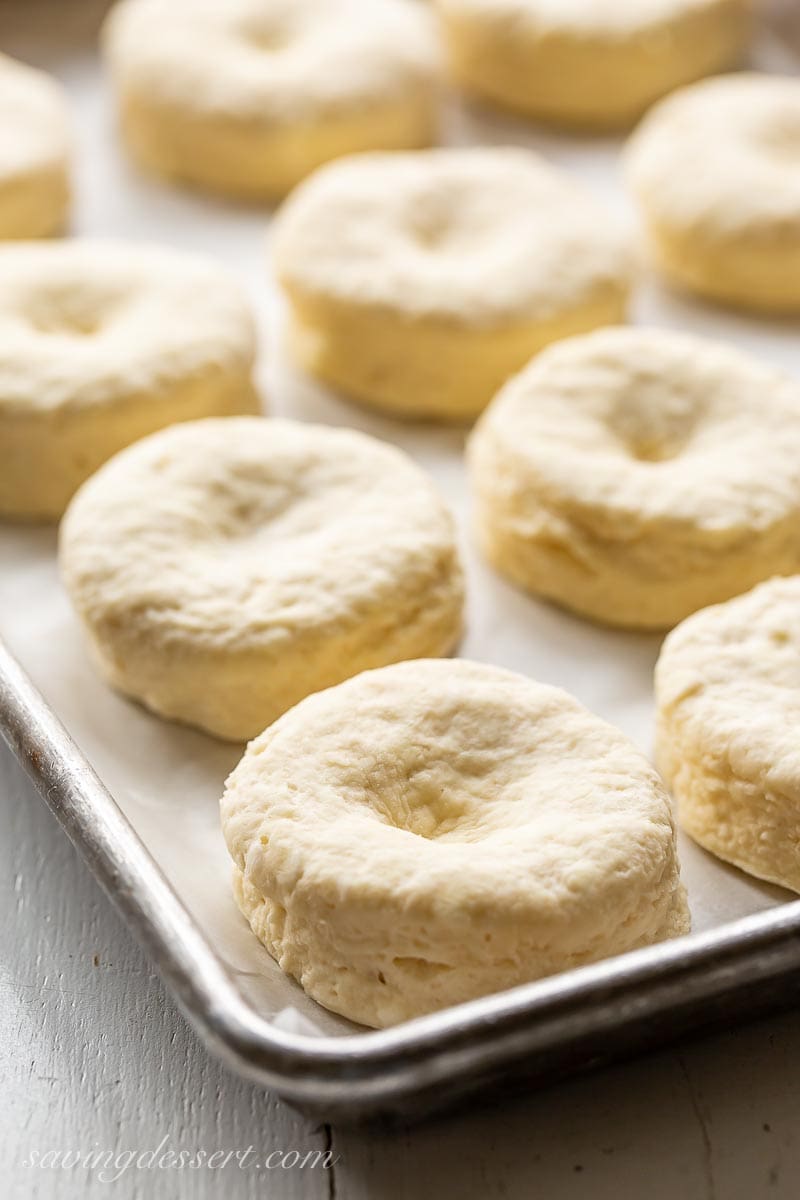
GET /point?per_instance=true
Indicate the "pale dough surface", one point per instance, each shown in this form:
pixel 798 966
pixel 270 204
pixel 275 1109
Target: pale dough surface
pixel 435 831
pixel 419 282
pixel 728 690
pixel 636 475
pixel 714 170
pixel 589 63
pixel 224 569
pixel 34 152
pixel 248 96
pixel 102 342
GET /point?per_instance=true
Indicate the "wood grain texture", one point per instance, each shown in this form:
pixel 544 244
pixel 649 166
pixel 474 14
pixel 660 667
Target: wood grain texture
pixel 94 1055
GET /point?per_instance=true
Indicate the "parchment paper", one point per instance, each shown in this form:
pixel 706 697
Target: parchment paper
pixel 168 779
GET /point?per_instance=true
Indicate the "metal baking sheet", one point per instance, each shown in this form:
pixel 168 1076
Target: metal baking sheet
pixel 160 852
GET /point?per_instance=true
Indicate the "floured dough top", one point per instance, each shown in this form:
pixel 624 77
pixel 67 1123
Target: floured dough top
pixel 721 158
pixel 33 119
pixel 89 321
pixel 625 429
pixel 467 235
pixel 582 18
pixel 244 532
pixel 729 678
pixel 417 798
pixel 272 60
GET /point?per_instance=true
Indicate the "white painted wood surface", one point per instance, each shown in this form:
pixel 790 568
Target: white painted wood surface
pixel 94 1056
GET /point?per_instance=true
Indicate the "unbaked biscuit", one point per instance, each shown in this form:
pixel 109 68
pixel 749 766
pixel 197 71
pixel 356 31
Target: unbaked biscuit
pixel 100 343
pixel 714 170
pixel 34 152
pixel 589 63
pixel 636 475
pixel 224 569
pixel 728 689
pixel 248 96
pixel 434 831
pixel 419 282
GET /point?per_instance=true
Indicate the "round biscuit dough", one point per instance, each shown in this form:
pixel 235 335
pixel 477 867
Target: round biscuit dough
pixel 436 831
pixel 636 475
pixel 101 343
pixel 34 152
pixel 246 97
pixel 715 170
pixel 728 691
pixel 419 282
pixel 224 569
pixel 588 63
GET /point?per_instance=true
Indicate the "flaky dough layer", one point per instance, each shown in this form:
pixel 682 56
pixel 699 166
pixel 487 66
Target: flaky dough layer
pixel 34 152
pixel 248 96
pixel 435 831
pixel 589 63
pixel 728 691
pixel 224 569
pixel 419 282
pixel 636 475
pixel 714 171
pixel 101 343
